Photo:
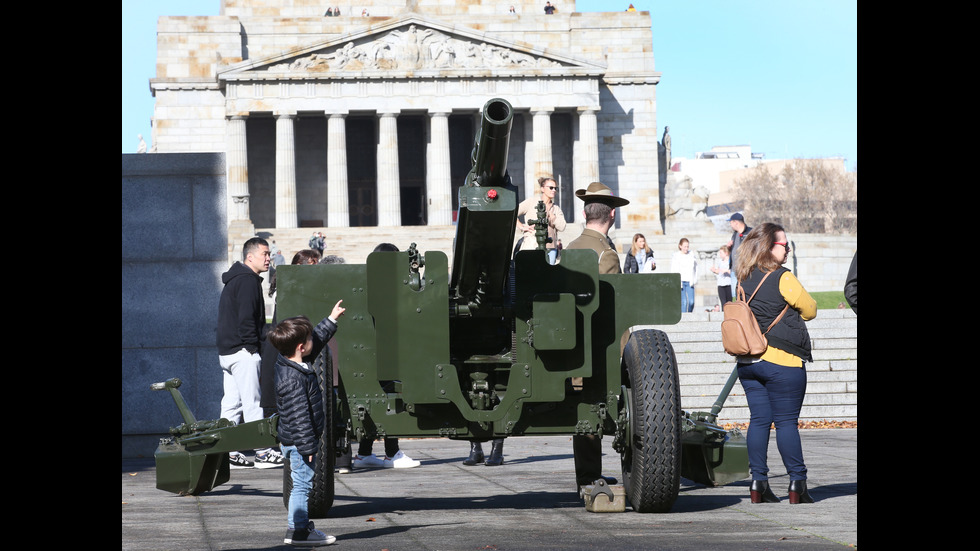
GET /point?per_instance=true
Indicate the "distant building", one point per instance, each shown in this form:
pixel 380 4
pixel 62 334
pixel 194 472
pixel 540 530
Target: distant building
pixel 717 170
pixel 369 121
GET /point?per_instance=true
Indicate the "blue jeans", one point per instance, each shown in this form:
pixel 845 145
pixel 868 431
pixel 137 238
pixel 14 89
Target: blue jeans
pixel 775 395
pixel 552 256
pixel 302 474
pixel 687 297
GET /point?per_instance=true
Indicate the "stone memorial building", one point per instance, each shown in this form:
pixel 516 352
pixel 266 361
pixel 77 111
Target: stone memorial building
pixel 367 118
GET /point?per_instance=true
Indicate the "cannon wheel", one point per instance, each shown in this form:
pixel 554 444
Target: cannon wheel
pixel 321 495
pixel 651 458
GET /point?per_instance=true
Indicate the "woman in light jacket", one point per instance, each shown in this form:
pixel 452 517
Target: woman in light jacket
pixel 547 188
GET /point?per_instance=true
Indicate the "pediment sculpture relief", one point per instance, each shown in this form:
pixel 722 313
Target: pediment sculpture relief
pixel 414 49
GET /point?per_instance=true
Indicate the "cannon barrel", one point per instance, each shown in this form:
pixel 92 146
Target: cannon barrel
pixel 487 216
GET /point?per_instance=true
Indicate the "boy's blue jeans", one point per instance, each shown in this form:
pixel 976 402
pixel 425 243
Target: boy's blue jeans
pixel 302 475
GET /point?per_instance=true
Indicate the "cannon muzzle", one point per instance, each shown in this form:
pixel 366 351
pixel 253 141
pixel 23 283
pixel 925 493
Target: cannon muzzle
pixel 487 215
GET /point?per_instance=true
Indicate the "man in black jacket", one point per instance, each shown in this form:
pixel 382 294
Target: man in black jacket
pixel 737 221
pixel 241 322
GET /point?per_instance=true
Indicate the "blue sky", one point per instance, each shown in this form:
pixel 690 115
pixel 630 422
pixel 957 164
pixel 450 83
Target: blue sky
pixel 779 75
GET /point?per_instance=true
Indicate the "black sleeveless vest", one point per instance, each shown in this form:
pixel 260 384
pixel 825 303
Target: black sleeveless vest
pixel 790 334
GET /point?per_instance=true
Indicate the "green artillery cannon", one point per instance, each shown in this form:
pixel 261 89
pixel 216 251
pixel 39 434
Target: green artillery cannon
pixel 194 458
pixel 487 348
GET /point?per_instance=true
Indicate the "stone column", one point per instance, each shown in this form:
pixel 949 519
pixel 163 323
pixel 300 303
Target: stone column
pixel 338 202
pixel 389 194
pixel 587 161
pixel 439 179
pixel 530 183
pixel 237 162
pixel 286 216
pixel 541 122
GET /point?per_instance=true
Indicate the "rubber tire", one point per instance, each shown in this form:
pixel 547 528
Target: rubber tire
pixel 321 495
pixel 652 460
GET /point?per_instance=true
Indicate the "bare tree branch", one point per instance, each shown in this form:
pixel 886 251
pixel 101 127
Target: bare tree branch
pixel 807 196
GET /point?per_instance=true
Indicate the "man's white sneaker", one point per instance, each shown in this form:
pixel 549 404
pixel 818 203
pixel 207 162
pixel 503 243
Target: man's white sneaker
pixel 367 462
pixel 401 461
pixel 268 458
pixel 237 460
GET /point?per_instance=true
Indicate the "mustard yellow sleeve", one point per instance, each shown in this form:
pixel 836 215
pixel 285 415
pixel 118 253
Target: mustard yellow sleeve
pixel 797 297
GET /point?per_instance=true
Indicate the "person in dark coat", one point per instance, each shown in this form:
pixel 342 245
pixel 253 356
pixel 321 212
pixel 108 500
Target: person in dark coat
pixel 300 403
pixel 851 284
pixel 740 230
pixel 240 330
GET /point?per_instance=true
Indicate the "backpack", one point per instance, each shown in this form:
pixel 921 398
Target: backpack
pixel 740 332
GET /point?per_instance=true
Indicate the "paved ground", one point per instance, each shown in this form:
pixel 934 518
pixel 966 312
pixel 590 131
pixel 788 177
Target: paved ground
pixel 529 503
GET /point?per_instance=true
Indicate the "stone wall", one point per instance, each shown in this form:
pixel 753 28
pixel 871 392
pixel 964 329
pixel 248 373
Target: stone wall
pixel 174 250
pixel 387 8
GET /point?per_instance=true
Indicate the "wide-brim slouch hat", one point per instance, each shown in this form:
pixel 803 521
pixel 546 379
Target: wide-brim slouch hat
pixel 600 193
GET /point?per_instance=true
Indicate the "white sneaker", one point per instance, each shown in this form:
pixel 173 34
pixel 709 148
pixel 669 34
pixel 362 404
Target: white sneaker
pixel 310 537
pixel 367 462
pixel 237 460
pixel 401 461
pixel 268 459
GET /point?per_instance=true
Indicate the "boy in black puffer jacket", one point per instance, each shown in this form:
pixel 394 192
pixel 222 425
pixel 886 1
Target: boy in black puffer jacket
pixel 299 402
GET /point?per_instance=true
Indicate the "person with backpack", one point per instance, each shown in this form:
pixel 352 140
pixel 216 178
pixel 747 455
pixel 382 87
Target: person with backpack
pixel 775 381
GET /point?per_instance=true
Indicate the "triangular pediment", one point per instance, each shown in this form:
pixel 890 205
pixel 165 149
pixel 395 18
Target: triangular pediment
pixel 411 46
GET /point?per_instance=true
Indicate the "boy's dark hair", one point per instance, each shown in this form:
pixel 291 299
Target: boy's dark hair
pixel 385 247
pixel 290 333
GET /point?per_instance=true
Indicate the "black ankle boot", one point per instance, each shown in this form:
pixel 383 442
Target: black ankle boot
pixel 496 453
pixel 762 493
pixel 476 455
pixel 798 492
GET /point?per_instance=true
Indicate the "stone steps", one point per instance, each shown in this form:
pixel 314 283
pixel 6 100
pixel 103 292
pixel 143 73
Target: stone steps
pixel 355 244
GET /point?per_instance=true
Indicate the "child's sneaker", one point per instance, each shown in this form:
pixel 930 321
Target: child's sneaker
pixel 401 461
pixel 237 460
pixel 367 462
pixel 307 537
pixel 268 459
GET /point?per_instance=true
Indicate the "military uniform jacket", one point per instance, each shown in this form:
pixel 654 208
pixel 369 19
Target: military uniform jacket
pixel 608 257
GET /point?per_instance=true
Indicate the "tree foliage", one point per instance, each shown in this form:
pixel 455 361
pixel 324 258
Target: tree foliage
pixel 806 196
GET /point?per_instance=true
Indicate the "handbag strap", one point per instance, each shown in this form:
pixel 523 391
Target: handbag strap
pixel 779 317
pixel 759 286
